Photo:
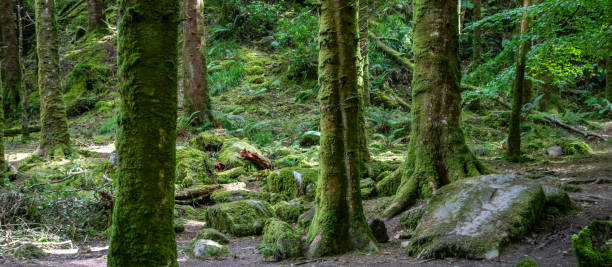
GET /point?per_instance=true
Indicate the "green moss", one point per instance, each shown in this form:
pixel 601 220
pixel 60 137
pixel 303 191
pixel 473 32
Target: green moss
pixel 204 249
pixel 411 219
pixel 179 226
pixel 290 161
pixel 293 182
pixel 194 167
pixel 239 218
pixel 289 211
pixel 527 262
pixel 212 234
pixel 223 196
pixel 230 156
pixel 389 184
pixel 592 246
pixel 208 141
pixel 367 187
pixel 280 241
pixel 28 251
pixel 575 147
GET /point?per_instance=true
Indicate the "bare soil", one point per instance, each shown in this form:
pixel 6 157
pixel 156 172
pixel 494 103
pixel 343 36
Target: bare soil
pixel 549 244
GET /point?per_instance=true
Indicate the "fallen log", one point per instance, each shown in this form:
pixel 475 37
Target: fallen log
pixel 259 160
pixel 190 194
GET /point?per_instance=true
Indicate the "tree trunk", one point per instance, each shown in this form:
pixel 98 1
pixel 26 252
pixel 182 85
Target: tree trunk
pixel 142 233
pixel 339 224
pixel 11 57
pixel 196 97
pixel 96 14
pixel 54 137
pixel 476 40
pixel 2 161
pixel 437 152
pixel 551 99
pixel 364 82
pixel 609 77
pixel 25 134
pixel 518 90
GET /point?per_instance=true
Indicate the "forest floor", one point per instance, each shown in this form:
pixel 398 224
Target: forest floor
pixel 549 244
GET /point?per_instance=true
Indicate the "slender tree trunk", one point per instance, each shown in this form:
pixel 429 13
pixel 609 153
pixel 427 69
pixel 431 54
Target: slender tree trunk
pixel 196 97
pixel 54 137
pixel 518 90
pixel 142 233
pixel 437 152
pixel 12 63
pixel 2 161
pixel 339 224
pixel 25 134
pixel 96 14
pixel 609 76
pixel 364 82
pixel 476 40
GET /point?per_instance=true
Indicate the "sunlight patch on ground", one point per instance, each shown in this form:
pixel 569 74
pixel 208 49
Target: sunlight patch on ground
pixel 103 149
pixel 60 251
pixel 18 156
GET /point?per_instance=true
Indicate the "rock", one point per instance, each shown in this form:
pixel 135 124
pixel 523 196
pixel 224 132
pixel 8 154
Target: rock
pixel 527 262
pixel 557 197
pixel 576 147
pixel 592 246
pixel 28 251
pixel 293 182
pixel 194 167
pixel 379 230
pixel 179 226
pixel 306 218
pixel 367 187
pixel 113 158
pixel 310 138
pixel 280 241
pixel 476 217
pixel 231 175
pixel 554 151
pixel 239 218
pixel 209 140
pixel 212 234
pixel 230 156
pixel 204 248
pixel 289 211
pixel 410 219
pixel 290 161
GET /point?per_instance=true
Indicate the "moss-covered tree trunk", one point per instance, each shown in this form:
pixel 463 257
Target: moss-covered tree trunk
pixel 609 76
pixel 476 39
pixel 339 224
pixel 25 134
pixel 196 97
pixel 96 14
pixel 142 233
pixel 54 137
pixel 518 91
pixel 12 62
pixel 2 161
pixel 437 151
pixel 364 81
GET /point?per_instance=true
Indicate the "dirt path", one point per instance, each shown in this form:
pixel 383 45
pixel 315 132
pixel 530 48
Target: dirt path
pixel 549 244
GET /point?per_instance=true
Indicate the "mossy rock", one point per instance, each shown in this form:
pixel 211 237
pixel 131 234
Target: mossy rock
pixel 410 218
pixel 310 138
pixel 194 167
pixel 367 187
pixel 204 249
pixel 208 141
pixel 230 156
pixel 527 262
pixel 239 218
pixel 576 147
pixel 289 211
pixel 179 226
pixel 306 218
pixel 592 246
pixel 293 182
pixel 557 198
pixel 231 175
pixel 212 234
pixel 475 218
pixel 224 196
pixel 280 241
pixel 290 161
pixel 28 251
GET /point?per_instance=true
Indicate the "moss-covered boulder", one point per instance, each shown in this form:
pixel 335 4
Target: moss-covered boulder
pixel 203 249
pixel 231 175
pixel 280 241
pixel 475 218
pixel 593 245
pixel 223 196
pixel 293 182
pixel 239 218
pixel 209 140
pixel 194 167
pixel 575 147
pixel 230 156
pixel 212 234
pixel 289 211
pixel 28 251
pixel 290 161
pixel 306 218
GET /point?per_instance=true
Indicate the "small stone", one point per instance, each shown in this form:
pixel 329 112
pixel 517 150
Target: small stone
pixel 379 230
pixel 113 158
pixel 554 151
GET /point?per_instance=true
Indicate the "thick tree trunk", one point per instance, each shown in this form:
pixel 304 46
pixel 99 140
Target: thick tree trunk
pixel 339 224
pixel 476 40
pixel 437 152
pixel 12 62
pixel 54 137
pixel 25 134
pixel 518 91
pixel 96 14
pixel 142 233
pixel 196 97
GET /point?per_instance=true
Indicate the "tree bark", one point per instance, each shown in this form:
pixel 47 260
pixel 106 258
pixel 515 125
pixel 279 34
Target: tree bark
pixel 437 151
pixel 96 14
pixel 609 77
pixel 518 90
pixel 25 133
pixel 339 224
pixel 54 137
pixel 2 161
pixel 364 82
pixel 142 232
pixel 476 39
pixel 196 97
pixel 12 62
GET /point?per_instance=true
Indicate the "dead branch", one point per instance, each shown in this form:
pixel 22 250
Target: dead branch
pixel 257 159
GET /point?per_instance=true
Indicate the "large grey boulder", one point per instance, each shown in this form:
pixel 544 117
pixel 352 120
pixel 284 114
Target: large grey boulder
pixel 475 218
